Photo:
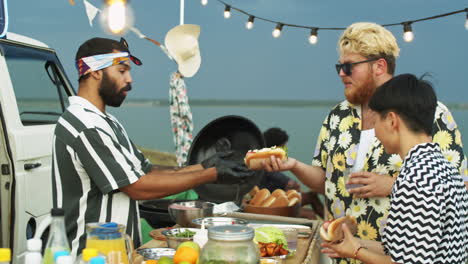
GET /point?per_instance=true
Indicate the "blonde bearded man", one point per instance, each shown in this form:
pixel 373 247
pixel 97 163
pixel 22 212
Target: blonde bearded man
pixel 347 140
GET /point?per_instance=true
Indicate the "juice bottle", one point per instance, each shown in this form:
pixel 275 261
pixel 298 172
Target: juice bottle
pixel 113 249
pixel 57 240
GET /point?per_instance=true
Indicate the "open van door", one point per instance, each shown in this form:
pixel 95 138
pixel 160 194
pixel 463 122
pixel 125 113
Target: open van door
pixel 33 94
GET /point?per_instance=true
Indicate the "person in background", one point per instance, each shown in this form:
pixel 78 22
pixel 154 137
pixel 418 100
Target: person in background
pixel 429 203
pixel 97 172
pixel 347 139
pixel 273 180
pixel 276 136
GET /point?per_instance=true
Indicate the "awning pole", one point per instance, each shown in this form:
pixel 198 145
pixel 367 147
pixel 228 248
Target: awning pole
pixel 182 12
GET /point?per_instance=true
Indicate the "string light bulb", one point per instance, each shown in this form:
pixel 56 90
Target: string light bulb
pixel 117 17
pixel 204 2
pixel 227 12
pixel 250 22
pixel 408 34
pixel 277 31
pixel 313 36
pixel 466 21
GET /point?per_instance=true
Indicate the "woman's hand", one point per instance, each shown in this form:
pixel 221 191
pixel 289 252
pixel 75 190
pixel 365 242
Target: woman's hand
pixel 375 185
pixel 344 249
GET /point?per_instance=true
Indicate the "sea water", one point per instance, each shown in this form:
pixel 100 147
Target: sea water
pixel 148 124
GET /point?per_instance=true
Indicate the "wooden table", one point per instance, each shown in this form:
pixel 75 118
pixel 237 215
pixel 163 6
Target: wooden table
pixel 307 248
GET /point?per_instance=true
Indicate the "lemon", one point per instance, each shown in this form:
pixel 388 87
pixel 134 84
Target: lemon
pixel 190 244
pixel 165 260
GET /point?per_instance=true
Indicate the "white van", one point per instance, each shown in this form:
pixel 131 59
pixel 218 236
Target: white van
pixel 33 94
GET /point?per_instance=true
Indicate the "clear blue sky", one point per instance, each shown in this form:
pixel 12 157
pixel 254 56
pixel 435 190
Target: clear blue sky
pixel 242 64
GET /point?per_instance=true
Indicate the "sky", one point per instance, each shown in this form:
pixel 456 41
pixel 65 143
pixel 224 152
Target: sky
pixel 250 64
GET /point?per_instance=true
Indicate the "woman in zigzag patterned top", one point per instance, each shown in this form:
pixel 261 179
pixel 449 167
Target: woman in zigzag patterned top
pixel 427 221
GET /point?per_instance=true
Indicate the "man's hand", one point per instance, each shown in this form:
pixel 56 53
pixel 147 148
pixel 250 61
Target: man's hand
pixel 375 185
pixel 275 164
pixel 229 171
pixel 216 158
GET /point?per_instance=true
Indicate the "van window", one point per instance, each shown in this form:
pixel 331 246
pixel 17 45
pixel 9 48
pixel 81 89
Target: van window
pixel 38 84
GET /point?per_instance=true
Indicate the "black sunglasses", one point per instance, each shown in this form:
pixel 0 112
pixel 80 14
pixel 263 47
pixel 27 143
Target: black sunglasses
pixel 346 67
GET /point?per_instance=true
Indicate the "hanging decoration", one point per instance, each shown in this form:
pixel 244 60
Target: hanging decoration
pixel 408 34
pixel 181 117
pixel 182 45
pixel 91 11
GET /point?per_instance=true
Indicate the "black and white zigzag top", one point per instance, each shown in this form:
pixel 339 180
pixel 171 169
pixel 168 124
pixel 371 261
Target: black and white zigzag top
pixel 427 221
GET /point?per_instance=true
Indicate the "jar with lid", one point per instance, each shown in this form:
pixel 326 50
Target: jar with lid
pixel 230 244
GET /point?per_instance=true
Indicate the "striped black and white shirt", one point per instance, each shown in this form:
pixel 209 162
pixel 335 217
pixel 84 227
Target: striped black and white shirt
pixel 427 221
pixel 92 158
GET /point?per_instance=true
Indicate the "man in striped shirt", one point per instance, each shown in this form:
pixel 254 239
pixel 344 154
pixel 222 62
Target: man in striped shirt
pixel 98 174
pixel 428 216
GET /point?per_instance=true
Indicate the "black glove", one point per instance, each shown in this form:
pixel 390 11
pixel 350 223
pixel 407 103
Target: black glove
pixel 216 158
pixel 229 171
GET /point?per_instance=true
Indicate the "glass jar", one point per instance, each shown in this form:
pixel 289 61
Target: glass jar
pixel 230 244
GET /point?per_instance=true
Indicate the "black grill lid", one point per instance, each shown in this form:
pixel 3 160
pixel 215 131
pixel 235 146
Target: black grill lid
pixel 230 132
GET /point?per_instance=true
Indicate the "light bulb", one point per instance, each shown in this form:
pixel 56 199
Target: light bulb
pixel 408 35
pixel 313 39
pixel 313 36
pixel 204 2
pixel 227 12
pixel 117 17
pixel 466 22
pixel 250 23
pixel 277 32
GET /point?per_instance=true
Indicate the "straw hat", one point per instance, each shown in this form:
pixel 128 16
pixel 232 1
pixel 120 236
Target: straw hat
pixel 182 44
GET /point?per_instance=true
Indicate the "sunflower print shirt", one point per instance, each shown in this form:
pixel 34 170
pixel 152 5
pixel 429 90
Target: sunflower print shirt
pixel 336 150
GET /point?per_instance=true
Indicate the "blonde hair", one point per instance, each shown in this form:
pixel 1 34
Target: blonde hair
pixel 371 41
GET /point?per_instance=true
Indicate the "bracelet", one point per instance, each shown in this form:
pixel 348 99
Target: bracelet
pixel 357 251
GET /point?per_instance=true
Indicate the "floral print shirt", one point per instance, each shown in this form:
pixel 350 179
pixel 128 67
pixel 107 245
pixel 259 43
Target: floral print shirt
pixel 337 148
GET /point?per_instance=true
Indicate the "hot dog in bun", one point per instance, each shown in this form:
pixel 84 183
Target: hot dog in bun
pixel 253 159
pixel 332 231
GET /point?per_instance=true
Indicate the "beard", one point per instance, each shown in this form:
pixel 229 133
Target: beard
pixel 108 92
pixel 363 93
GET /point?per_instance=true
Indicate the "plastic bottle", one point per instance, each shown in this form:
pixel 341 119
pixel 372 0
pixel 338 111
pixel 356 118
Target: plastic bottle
pixel 33 258
pixel 5 255
pixel 33 255
pixel 57 240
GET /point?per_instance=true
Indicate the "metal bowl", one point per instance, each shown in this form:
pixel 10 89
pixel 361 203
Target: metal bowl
pixel 217 221
pixel 155 253
pixel 171 235
pixel 184 212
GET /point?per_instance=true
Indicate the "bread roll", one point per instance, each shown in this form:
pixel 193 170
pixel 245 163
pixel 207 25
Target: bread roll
pixel 293 201
pixel 268 201
pixel 332 231
pixel 253 159
pixel 280 201
pixel 279 192
pixel 254 191
pixel 259 197
pixel 293 193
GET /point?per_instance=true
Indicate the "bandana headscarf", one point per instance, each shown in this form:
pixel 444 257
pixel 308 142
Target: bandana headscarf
pixel 98 62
